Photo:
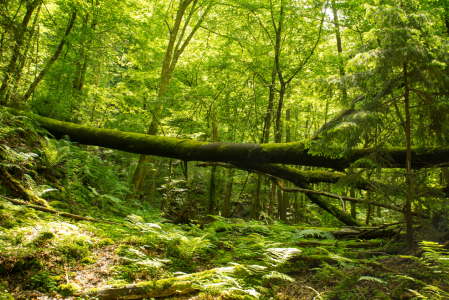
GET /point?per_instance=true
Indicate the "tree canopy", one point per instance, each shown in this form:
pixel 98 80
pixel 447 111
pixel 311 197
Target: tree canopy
pixel 358 87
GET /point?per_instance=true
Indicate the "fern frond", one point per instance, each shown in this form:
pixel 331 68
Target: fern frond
pixel 54 152
pixel 418 295
pixel 256 269
pixel 310 233
pixel 373 279
pixel 16 157
pixel 275 275
pixel 30 182
pixel 279 256
pixel 441 294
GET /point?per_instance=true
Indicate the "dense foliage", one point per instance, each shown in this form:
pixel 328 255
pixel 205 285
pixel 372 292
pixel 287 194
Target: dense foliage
pixel 333 77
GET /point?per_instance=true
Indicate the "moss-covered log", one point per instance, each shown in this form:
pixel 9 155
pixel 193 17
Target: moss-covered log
pixel 300 181
pixel 155 289
pixel 342 245
pixel 346 198
pixel 334 177
pixel 190 150
pixel 18 190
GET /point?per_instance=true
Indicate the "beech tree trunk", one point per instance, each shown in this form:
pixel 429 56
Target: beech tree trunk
pixel 339 50
pixel 353 204
pixel 12 93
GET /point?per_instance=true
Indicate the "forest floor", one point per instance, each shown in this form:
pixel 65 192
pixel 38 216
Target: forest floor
pixel 46 256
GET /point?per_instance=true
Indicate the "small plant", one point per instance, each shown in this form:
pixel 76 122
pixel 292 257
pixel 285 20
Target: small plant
pixel 135 264
pixel 15 159
pixel 4 293
pixel 44 281
pixel 54 152
pixel 67 290
pixel 36 190
pixel 74 248
pixel 373 279
pixel 313 233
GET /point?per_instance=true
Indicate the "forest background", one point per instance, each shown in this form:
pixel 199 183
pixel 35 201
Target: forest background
pixel 343 103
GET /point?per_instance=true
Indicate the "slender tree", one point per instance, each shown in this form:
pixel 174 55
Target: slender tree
pixel 178 41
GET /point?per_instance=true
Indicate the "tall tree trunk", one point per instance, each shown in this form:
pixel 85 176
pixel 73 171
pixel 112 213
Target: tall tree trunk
pixel 285 197
pixel 271 200
pixel 213 188
pixel 17 76
pixel 340 50
pixel 353 204
pixel 19 39
pixel 153 182
pixel 255 212
pixel 83 56
pixel 228 193
pixel 175 48
pixel 52 59
pixel 408 176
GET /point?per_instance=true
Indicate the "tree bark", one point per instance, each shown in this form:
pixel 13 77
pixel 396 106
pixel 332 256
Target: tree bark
pixel 228 193
pixel 408 175
pixel 340 51
pixel 213 187
pixel 255 213
pixel 285 196
pixel 353 204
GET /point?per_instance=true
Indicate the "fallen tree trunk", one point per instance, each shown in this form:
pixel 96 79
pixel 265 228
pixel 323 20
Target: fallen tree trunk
pixel 154 289
pixel 190 150
pixel 352 245
pixel 17 189
pixel 288 173
pixel 350 199
pixel 334 177
pixel 240 154
pixel 363 234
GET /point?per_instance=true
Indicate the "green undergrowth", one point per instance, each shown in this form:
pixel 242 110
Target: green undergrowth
pixel 58 256
pixel 249 262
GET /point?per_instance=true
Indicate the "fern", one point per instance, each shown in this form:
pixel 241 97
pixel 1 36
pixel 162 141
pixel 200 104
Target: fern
pixel 373 279
pixel 275 275
pixel 436 292
pixel 37 190
pixel 54 152
pixel 15 158
pixel 310 233
pixel 138 223
pixel 340 259
pixel 277 257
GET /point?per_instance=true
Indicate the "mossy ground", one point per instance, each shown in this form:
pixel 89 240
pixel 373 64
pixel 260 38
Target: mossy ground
pixel 42 254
